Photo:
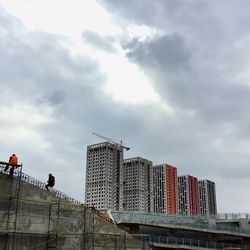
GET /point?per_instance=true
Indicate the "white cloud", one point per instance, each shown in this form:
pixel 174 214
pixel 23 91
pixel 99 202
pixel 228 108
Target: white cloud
pixel 181 96
pixel 26 114
pixel 62 16
pixel 140 32
pixel 21 124
pixel 125 82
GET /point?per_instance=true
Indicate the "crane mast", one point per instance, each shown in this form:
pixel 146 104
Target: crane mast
pixel 110 140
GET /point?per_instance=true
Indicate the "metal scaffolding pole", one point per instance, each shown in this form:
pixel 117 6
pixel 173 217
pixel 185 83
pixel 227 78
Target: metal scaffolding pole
pixel 15 184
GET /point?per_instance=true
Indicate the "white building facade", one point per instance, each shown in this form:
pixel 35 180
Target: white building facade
pixel 104 176
pixel 137 185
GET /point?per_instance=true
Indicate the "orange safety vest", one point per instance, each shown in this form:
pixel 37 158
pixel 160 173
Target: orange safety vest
pixel 13 160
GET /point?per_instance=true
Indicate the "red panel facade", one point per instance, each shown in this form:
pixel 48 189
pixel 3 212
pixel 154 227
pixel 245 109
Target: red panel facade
pixel 194 198
pixel 171 191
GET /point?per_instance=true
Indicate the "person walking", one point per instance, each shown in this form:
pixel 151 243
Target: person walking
pixel 13 162
pixel 51 182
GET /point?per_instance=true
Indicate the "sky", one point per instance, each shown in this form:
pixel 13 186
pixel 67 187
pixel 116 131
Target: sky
pixel 170 78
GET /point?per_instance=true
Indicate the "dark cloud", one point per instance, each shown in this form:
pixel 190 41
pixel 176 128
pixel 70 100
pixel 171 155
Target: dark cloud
pixel 56 96
pixel 191 17
pixel 168 52
pixel 135 11
pixel 197 65
pixel 101 42
pixel 41 78
pixel 212 97
pixel 186 73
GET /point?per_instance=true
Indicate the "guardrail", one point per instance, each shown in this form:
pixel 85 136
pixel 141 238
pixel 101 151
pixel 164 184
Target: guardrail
pixel 35 182
pixel 231 216
pixel 177 221
pixel 218 216
pixel 157 239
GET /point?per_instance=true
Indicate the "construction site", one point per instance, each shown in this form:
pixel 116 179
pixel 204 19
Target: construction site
pixel 33 218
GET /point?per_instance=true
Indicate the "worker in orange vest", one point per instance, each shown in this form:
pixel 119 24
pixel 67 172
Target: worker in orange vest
pixel 13 160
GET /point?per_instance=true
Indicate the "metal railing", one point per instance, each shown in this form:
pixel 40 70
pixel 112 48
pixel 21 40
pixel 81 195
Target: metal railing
pixel 218 216
pixel 175 221
pixel 164 240
pixel 35 182
pixel 231 216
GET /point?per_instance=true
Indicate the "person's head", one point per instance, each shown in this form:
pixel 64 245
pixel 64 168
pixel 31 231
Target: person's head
pixel 50 175
pixel 13 155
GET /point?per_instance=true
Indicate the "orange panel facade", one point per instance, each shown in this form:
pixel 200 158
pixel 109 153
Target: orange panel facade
pixel 171 191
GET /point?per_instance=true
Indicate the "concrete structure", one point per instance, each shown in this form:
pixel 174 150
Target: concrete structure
pixel 189 200
pixel 33 218
pixel 207 197
pixel 165 189
pixel 104 176
pixel 138 188
pixel 187 232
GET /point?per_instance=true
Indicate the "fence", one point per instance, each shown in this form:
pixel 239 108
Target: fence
pixel 29 179
pixel 180 221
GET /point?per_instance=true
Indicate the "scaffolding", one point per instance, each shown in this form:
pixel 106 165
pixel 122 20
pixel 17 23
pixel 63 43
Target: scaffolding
pixel 60 222
pixel 51 232
pixel 15 172
pixel 53 222
pixel 63 223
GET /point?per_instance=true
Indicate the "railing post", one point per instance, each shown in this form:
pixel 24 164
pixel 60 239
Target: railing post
pixel 124 241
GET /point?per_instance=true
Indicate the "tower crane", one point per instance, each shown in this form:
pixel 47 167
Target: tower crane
pixel 110 140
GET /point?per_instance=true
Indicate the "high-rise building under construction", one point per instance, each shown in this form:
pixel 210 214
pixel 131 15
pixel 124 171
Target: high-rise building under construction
pixel 165 189
pixel 104 176
pixel 137 185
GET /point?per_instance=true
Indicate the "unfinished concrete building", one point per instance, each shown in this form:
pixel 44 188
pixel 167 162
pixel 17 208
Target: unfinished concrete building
pixel 33 218
pixel 104 176
pixel 138 187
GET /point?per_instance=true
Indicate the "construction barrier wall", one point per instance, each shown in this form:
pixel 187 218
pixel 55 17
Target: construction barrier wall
pixel 37 219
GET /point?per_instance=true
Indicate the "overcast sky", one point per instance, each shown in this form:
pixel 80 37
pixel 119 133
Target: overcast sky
pixel 169 77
